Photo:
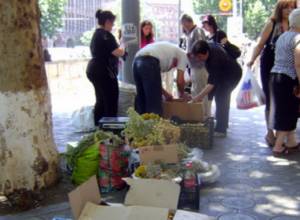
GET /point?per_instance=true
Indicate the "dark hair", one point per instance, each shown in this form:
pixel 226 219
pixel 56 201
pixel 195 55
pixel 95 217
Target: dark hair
pixel 280 5
pixel 210 20
pixel 200 47
pixel 186 18
pixel 151 35
pixel 104 16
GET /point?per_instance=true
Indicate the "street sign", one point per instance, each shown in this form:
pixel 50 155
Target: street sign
pixel 129 30
pixel 225 5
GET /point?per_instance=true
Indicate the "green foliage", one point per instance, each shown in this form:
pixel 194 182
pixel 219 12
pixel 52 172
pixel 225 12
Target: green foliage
pixel 52 12
pixel 87 37
pixel 205 7
pixel 255 12
pixel 255 19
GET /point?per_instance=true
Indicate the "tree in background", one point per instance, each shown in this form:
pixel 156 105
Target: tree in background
pixel 205 7
pixel 255 12
pixel 52 12
pixel 255 19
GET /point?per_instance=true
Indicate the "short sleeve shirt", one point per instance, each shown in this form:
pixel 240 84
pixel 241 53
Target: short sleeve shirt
pixel 284 54
pixel 102 45
pixel 169 55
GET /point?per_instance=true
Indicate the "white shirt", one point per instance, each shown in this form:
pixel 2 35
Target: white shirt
pixel 169 55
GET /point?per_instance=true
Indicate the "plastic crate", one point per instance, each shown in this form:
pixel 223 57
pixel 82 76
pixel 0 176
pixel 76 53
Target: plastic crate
pixel 199 135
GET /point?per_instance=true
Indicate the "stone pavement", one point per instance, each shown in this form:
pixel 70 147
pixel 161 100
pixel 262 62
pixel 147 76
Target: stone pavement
pixel 253 184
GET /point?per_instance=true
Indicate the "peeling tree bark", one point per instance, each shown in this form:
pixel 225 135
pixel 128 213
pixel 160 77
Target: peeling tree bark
pixel 28 156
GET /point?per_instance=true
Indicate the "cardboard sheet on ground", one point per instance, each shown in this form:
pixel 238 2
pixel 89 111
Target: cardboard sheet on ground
pixel 161 153
pixel 96 212
pixel 146 200
pixel 183 110
pixel 154 193
pixel 86 192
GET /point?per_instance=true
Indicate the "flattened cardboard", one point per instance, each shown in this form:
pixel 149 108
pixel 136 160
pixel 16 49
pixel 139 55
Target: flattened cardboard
pixel 184 215
pixel 86 192
pixel 161 153
pixel 96 212
pixel 153 193
pixel 183 110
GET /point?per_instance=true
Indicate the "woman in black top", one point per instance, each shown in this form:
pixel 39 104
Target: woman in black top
pixel 224 73
pixel 102 69
pixel 219 37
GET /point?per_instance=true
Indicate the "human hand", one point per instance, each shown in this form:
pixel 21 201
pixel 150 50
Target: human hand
pixel 250 63
pixel 168 97
pixel 196 99
pixel 297 91
pixel 186 97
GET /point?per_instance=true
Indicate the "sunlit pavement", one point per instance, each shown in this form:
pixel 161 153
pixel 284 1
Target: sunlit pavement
pixel 253 184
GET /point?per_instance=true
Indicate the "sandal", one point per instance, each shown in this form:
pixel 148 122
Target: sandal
pixel 293 148
pixel 270 143
pixel 282 153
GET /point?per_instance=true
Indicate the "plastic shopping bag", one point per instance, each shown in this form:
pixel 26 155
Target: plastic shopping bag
pixel 250 94
pixel 83 119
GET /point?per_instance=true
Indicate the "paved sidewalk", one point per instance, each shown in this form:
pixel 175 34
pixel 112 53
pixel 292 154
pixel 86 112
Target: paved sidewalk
pixel 253 185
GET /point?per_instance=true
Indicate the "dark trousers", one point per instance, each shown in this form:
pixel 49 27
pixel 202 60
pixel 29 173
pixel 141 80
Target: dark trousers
pixel 222 98
pixel 147 76
pixel 284 104
pixel 107 95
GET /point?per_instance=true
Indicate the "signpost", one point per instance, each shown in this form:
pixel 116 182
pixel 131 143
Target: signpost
pixel 130 35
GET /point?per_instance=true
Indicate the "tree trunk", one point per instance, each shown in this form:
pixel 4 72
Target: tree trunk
pixel 28 156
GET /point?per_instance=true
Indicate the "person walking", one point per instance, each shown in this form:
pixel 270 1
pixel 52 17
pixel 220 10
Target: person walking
pixel 276 25
pixel 285 88
pixel 148 65
pixel 199 74
pixel 224 73
pixel 102 69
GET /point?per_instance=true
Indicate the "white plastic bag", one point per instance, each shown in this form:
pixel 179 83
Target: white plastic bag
pixel 250 94
pixel 83 119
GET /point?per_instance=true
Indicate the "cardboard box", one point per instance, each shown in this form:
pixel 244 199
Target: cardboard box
pixel 185 111
pixel 159 153
pixel 146 200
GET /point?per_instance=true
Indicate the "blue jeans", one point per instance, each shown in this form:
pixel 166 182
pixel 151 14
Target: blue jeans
pixel 147 76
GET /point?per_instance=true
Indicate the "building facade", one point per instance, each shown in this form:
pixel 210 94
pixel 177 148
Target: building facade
pixel 80 17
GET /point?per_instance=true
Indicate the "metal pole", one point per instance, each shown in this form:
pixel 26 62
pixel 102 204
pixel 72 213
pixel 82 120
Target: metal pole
pixel 235 8
pixel 179 23
pixel 131 35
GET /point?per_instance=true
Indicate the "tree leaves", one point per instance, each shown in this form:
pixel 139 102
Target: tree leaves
pixel 52 12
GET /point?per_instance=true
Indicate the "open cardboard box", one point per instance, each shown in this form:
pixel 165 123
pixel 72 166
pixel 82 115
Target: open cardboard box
pixel 147 199
pixel 159 153
pixel 185 111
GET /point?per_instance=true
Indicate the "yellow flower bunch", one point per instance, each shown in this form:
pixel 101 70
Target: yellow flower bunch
pixel 150 116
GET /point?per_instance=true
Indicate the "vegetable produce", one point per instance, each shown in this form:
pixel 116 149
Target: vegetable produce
pixel 149 129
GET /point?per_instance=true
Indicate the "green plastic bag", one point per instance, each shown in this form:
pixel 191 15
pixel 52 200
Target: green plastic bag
pixel 86 164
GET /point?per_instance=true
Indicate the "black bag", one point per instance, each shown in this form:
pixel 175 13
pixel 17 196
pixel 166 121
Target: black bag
pixel 232 50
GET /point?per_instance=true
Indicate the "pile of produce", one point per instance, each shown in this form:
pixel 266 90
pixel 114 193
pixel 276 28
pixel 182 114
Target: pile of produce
pixel 157 171
pixel 150 129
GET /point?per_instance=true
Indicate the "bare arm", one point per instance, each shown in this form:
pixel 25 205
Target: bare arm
pixel 261 42
pixel 180 82
pixel 119 52
pixel 297 61
pixel 208 88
